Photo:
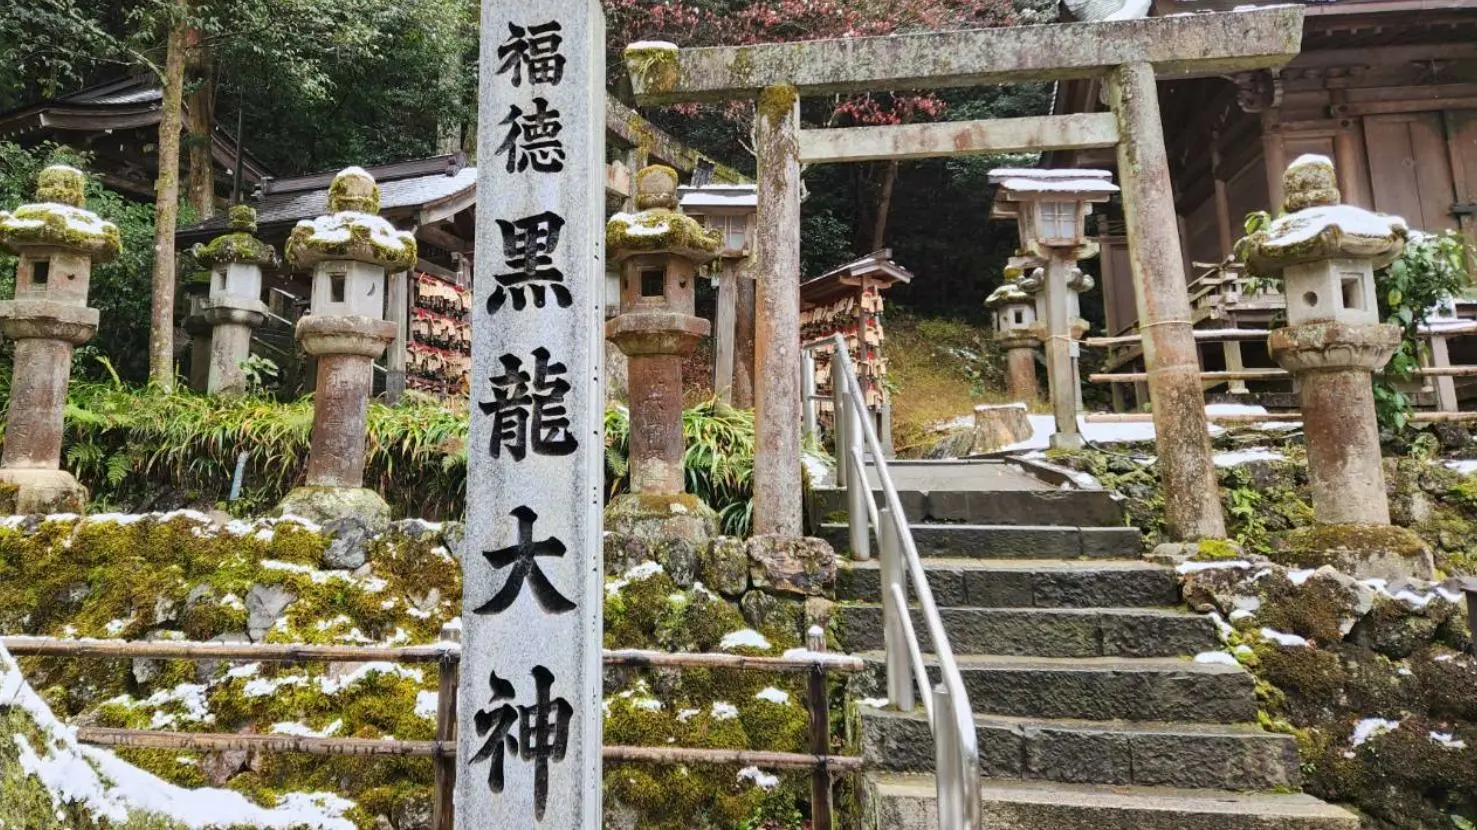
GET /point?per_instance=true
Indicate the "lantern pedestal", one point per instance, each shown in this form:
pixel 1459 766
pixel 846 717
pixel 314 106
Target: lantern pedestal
pixel 232 319
pixel 1020 365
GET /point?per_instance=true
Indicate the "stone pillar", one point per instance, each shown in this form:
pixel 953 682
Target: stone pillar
pixel 350 251
pixel 1061 366
pixel 777 478
pixel 234 307
pixel 1020 362
pixel 1334 341
pixel 57 241
pixel 724 325
pixel 1192 506
pixel 658 251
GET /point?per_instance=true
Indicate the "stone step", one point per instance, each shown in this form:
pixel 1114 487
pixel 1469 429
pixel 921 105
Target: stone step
pixel 909 802
pixel 1025 583
pixel 1044 632
pixel 1190 755
pixel 1009 541
pixel 1067 508
pixel 1100 688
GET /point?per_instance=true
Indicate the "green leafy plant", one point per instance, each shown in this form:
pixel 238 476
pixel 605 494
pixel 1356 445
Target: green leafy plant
pixel 261 372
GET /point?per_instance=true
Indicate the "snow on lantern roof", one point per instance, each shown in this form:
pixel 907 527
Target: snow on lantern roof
pixel 1009 292
pixel 1092 187
pixel 719 196
pixel 999 174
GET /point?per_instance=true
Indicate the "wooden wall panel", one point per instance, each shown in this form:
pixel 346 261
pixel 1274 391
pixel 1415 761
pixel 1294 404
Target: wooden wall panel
pixel 1461 136
pixel 1202 235
pixel 1410 169
pixel 1245 192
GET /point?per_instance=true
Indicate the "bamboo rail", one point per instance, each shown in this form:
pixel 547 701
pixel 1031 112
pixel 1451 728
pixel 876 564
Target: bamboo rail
pixel 447 654
pixel 1239 374
pixel 226 741
pixel 1201 335
pixel 441 652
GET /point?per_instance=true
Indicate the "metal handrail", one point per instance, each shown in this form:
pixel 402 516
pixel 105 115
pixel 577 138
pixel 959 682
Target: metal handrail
pixel 947 704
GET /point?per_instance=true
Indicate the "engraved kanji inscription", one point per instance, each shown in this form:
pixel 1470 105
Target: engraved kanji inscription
pixel 542 735
pixel 522 558
pixel 533 139
pixel 534 50
pixel 529 410
pixel 528 249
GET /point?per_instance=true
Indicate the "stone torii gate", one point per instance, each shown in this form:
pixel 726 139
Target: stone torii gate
pixel 1129 55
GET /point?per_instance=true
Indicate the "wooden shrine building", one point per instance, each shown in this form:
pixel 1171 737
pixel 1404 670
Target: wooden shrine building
pixel 1385 88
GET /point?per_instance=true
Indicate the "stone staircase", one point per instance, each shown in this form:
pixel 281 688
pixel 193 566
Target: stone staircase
pixel 1077 657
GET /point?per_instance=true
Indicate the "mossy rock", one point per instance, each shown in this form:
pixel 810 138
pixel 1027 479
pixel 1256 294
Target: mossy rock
pixel 654 517
pixel 1365 551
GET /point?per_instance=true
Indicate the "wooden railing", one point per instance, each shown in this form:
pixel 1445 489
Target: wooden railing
pixel 447 656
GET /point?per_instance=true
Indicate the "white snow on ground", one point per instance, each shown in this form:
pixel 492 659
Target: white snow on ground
pixel 1232 459
pixel 110 788
pixel 744 638
pixel 1196 567
pixel 1044 426
pixel 1222 657
pixel 1464 466
pixel 773 695
pixel 1369 727
pixel 1448 740
pixel 874 702
pixel 761 779
pixel 724 711
pixel 1283 639
pixel 304 731
pixel 426 703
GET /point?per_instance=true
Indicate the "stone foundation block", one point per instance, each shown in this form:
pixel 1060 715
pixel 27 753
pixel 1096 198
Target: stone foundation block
pixel 789 564
pixel 326 505
pixel 40 492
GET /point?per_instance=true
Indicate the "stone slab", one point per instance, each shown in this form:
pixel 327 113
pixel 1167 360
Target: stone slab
pixel 1026 583
pixel 909 802
pixel 1103 688
pixel 897 142
pixel 532 570
pixel 1009 542
pixel 1216 756
pixel 1045 632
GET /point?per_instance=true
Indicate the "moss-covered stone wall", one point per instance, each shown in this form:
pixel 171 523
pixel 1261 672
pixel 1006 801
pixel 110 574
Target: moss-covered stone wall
pixel 184 576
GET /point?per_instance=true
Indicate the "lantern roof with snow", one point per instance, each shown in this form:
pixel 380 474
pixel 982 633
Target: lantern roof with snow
pixel 59 220
pixel 352 230
pixel 1318 227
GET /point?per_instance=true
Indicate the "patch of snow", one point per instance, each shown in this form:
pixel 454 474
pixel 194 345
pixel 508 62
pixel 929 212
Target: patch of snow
pixel 724 711
pixel 652 44
pixel 110 788
pixel 1049 173
pixel 1197 567
pixel 1283 639
pixel 642 225
pixel 646 704
pixel 744 638
pixel 332 686
pixel 773 695
pixel 1054 185
pixel 1369 727
pixel 426 703
pixel 761 779
pixel 303 731
pixel 686 715
pixel 116 627
pixel 1221 657
pixel 874 702
pixel 1232 459
pixel 1298 576
pixel 1465 466
pixel 1297 228
pixel 264 686
pixel 1448 740
pixel 1242 613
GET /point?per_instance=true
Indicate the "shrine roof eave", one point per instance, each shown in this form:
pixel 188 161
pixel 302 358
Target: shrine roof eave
pixel 1184 46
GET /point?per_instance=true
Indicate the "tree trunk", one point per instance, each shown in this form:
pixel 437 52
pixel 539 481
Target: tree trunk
pixel 200 187
pixel 884 206
pixel 166 213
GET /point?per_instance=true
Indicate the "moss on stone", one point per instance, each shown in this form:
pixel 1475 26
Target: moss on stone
pixel 660 229
pixel 235 247
pixel 655 65
pixel 1318 545
pixel 1216 550
pixel 60 226
pixel 62 185
pixel 776 102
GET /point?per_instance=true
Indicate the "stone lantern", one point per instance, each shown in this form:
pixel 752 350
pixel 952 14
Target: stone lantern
pixel 57 240
pixel 1051 208
pixel 1326 253
pixel 658 251
pixel 234 306
pixel 1017 332
pixel 350 251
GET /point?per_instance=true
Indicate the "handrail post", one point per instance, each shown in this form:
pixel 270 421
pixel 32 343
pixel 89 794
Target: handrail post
pixel 899 670
pixel 820 736
pixel 946 748
pixel 443 812
pixel 807 392
pixel 858 489
pixel 838 417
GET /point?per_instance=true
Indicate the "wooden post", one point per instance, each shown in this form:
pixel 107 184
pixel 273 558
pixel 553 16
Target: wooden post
pixel 397 311
pixel 777 488
pixel 820 736
pixel 1060 371
pixel 443 815
pixel 1275 156
pixel 724 330
pixel 1446 400
pixel 1191 496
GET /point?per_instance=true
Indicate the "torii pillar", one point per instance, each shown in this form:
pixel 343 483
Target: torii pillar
pixel 1128 55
